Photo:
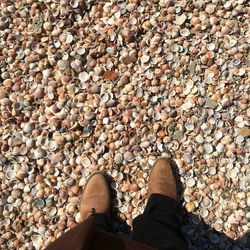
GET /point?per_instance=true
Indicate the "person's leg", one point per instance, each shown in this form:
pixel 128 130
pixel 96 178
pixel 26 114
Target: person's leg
pixel 158 226
pixel 103 222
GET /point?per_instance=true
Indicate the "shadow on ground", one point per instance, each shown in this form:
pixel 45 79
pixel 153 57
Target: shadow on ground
pixel 198 234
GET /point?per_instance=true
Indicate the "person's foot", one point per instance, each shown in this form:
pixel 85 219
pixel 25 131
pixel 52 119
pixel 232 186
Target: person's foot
pixel 162 180
pixel 96 196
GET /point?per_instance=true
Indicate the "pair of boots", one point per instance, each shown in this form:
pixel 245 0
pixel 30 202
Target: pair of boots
pixel 96 195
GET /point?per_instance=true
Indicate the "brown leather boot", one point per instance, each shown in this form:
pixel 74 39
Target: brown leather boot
pixel 96 196
pixel 162 180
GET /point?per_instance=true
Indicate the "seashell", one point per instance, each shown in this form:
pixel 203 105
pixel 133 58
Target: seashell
pixel 119 177
pixel 185 32
pixel 110 75
pixel 89 115
pixel 128 156
pixel 51 211
pixel 179 20
pixel 74 3
pixel 52 146
pixel 3 201
pixel 114 173
pixel 189 206
pixel 240 139
pixel 58 157
pixel 208 148
pixel 245 132
pixel 39 93
pixel 80 50
pixel 41 230
pixel 70 182
pixel 130 7
pixel 118 158
pixel 211 46
pixel 199 138
pixel 210 8
pixel 39 202
pixel 189 126
pixel 17 106
pixel 220 148
pixel 156 115
pixel 218 135
pixel 84 76
pixel 78 217
pixel 11 174
pixel 16 193
pixel 114 185
pixel 28 128
pixel 86 162
pixel 190 182
pixel 206 203
pixel 38 153
pixel 117 202
pixel 204 213
pixel 140 182
pixel 23 151
pixel 145 58
pixel 212 170
pixel 6 222
pixel 169 56
pixel 37 240
pixel 104 97
pixel 232 173
pixel 8 208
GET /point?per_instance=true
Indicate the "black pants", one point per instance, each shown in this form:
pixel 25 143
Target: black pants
pixel 157 227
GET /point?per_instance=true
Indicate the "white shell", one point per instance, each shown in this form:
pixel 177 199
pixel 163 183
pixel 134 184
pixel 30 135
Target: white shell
pixel 37 240
pixel 204 213
pixel 206 203
pixel 199 139
pixel 81 50
pixel 232 173
pixel 86 162
pixel 78 217
pixel 8 208
pixel 169 56
pixel 208 148
pixel 220 147
pixel 52 146
pixel 218 135
pixel 190 182
pixel 51 211
pixel 179 20
pixel 240 139
pixel 118 158
pixel 189 126
pixel 104 97
pixel 84 76
pixel 11 174
pixel 145 58
pixel 41 230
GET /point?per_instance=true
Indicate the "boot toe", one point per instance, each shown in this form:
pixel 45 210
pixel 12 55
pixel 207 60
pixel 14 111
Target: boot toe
pixel 96 195
pixel 162 179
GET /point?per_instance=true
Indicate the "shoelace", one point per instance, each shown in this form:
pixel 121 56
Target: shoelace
pixel 93 210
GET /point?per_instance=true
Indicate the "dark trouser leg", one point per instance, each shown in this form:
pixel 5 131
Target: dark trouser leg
pixel 158 226
pixel 103 222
